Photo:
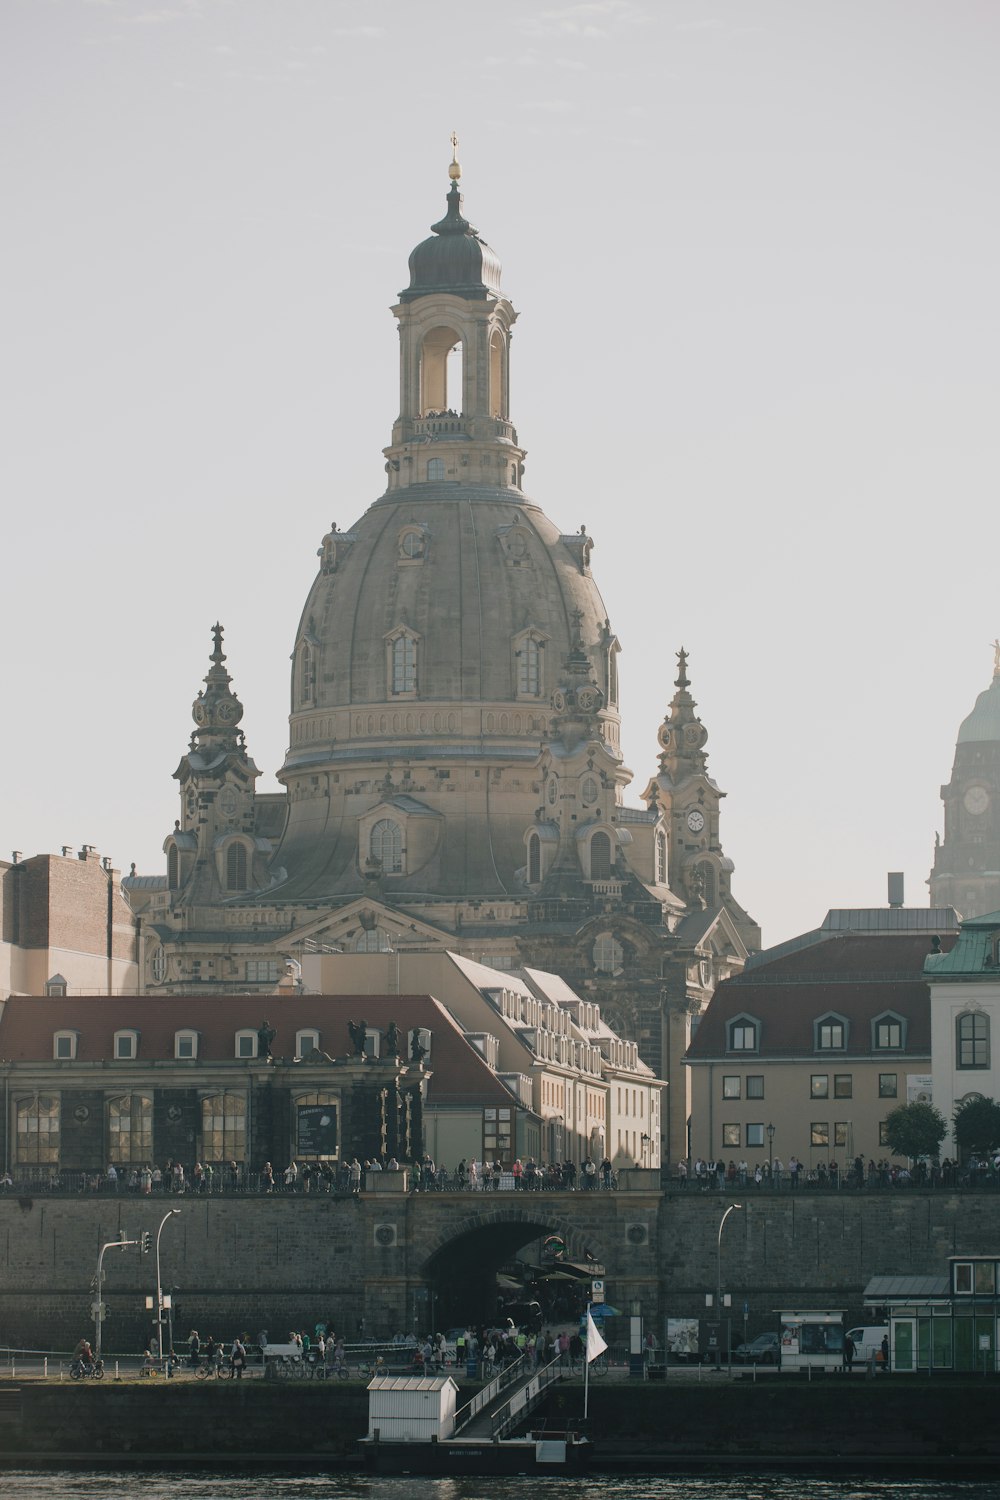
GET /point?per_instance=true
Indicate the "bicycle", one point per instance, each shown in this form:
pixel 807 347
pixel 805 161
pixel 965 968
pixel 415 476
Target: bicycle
pixel 213 1368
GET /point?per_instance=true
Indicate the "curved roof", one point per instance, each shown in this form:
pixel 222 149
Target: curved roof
pixel 984 721
pixel 454 259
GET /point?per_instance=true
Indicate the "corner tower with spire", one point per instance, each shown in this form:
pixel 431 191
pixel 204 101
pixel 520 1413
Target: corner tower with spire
pixel 212 851
pixel 966 872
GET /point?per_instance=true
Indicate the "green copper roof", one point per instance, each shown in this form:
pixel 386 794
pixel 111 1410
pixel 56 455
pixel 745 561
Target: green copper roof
pixel 973 956
pixel 984 721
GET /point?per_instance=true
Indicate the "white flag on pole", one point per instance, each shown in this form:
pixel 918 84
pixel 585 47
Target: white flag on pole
pixel 595 1342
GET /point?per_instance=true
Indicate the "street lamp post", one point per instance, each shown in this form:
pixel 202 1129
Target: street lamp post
pixel 718 1303
pixel 770 1150
pixel 159 1285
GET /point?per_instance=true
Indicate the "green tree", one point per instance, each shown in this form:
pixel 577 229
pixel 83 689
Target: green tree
pixel 915 1130
pixel 977 1126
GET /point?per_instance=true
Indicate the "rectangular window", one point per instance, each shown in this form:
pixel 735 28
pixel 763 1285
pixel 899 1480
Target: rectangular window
pixel 973 1033
pixel 963 1276
pixel 889 1034
pixel 263 970
pixel 731 1135
pixel 841 1134
pixel 731 1086
pixel 755 1085
pixel 830 1036
pixel 755 1135
pixel 887 1085
pixel 819 1134
pixel 985 1277
pixel 743 1038
pixel 185 1047
pixel 64 1047
pixel 819 1086
pixel 883 1133
pixel 843 1085
pixel 124 1047
pixel 246 1046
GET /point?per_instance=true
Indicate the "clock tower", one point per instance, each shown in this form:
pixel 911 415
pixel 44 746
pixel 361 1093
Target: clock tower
pixel 966 872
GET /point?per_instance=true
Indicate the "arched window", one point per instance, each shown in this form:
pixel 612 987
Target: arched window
pixel 387 845
pixel 435 469
pixel 38 1131
pixel 600 857
pixel 224 1127
pixel 236 867
pixel 306 1042
pixel 608 954
pixel 404 664
pixel 534 859
pixel 130 1130
pixel 173 868
pixel 307 673
pixel 972 1040
pixel 498 382
pixel 708 890
pixel 661 859
pixel 613 676
pixel 529 668
pixel 441 376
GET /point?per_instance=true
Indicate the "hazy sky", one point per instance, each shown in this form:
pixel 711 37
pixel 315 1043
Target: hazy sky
pixel 756 252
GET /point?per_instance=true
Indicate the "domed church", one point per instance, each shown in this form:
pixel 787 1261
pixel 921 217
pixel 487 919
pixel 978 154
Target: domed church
pixel 454 778
pixel 966 871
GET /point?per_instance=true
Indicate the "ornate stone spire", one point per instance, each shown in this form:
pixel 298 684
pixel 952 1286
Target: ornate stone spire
pixel 682 735
pixel 217 711
pixel 577 700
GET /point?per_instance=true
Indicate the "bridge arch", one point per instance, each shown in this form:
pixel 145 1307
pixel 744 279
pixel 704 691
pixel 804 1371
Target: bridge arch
pixel 465 1259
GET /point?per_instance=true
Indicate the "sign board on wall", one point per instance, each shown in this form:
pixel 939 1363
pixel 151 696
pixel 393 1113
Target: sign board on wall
pixel 597 1289
pixel 317 1130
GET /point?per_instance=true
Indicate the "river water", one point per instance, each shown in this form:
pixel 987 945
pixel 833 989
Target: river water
pixel 174 1485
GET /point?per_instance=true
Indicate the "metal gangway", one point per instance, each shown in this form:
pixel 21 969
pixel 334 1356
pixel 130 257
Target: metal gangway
pixel 506 1400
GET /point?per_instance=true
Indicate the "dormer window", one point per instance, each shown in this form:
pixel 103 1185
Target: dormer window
pixel 412 541
pixel 830 1033
pixel 126 1046
pixel 246 1044
pixel 306 1042
pixel 185 1045
pixel 889 1032
pixel 600 857
pixel 386 846
pixel 57 985
pixel 743 1034
pixel 236 867
pixel 64 1046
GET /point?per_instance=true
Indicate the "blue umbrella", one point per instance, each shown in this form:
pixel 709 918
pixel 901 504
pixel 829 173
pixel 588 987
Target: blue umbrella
pixel 600 1310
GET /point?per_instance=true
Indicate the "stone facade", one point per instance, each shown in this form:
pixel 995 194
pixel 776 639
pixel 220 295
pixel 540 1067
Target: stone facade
pixel 454 778
pixel 245 1264
pixel 966 872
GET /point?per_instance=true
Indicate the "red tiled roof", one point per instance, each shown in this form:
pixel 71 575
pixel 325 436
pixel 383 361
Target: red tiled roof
pixel 853 976
pixel 28 1023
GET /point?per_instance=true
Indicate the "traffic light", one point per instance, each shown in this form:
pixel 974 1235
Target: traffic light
pixel 146 1240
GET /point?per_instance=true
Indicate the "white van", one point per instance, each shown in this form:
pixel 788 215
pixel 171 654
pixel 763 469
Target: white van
pixel 867 1341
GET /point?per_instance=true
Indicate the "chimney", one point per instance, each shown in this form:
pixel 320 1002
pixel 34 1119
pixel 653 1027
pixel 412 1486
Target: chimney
pixel 895 888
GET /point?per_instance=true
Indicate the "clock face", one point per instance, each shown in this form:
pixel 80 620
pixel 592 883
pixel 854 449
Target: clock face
pixel 977 800
pixel 229 802
pixel 695 820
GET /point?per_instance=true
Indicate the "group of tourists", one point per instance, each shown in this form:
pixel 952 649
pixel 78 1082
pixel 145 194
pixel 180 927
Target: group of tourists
pixel 720 1175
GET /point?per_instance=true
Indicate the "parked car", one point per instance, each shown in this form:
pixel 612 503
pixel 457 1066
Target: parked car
pixel 763 1350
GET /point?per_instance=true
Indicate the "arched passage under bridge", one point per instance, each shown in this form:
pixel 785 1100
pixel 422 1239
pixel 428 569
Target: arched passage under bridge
pixel 475 1274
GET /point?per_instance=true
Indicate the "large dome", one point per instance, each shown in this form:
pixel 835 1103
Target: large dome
pixel 447 629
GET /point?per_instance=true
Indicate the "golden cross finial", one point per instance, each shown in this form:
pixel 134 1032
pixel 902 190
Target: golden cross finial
pixel 454 171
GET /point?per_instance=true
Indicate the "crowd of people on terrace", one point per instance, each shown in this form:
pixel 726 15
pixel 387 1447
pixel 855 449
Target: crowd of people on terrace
pixel 722 1175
